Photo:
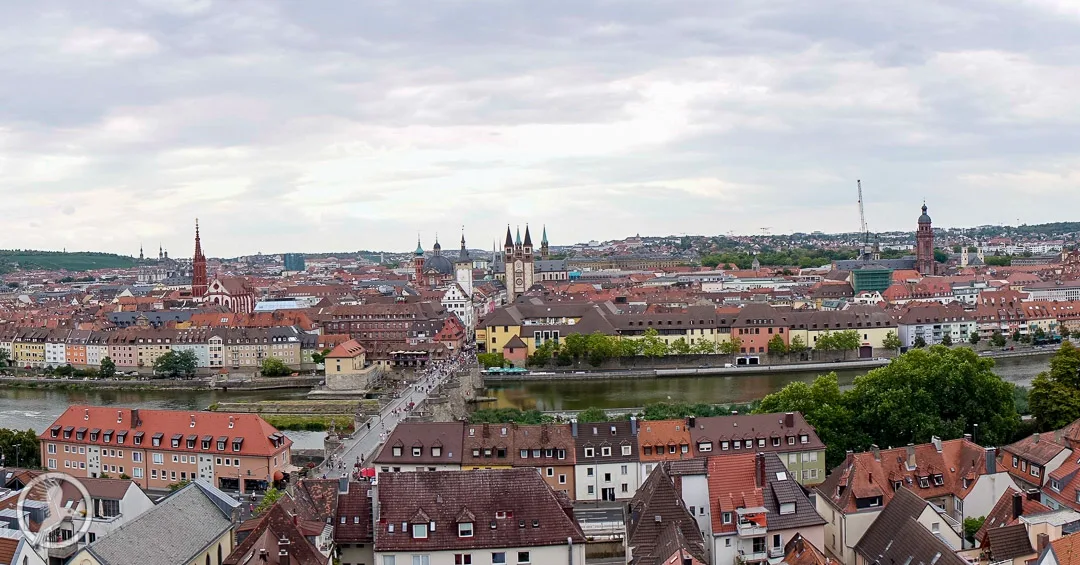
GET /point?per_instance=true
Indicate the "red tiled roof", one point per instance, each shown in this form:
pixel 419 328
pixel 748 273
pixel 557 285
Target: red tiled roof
pixel 731 485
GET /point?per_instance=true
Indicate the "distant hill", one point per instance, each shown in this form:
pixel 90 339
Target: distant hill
pixel 28 260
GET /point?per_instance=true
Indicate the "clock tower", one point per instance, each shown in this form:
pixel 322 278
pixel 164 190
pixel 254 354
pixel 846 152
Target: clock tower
pixel 518 259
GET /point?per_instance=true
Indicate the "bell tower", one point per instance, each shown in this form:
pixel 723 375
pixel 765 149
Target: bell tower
pixel 198 267
pixel 418 263
pixel 924 245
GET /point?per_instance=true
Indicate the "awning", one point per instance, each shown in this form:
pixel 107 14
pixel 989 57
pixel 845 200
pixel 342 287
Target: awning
pixel 292 469
pixel 367 472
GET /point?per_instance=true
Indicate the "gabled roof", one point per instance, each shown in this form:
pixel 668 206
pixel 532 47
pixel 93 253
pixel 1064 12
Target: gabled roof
pixel 1036 448
pixel 1002 513
pixel 1008 542
pixel 896 536
pixel 355 508
pixel 656 506
pixel 1067 549
pixel 513 508
pixel 277 523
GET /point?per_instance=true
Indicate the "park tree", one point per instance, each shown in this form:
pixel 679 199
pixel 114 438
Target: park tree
pixel 602 347
pixel 576 345
pixel 1054 399
pixel 174 364
pixel 543 354
pixel 108 368
pixel 680 347
pixel 274 367
pixel 731 347
pixel 19 448
pixel 629 347
pixel 946 339
pixel 1076 333
pixel 320 356
pixel 777 345
pixel 703 347
pixel 891 341
pixel 652 345
pixel 825 341
pixel 973 338
pixel 847 340
pixel 1016 336
pixel 918 342
pixel 1040 333
pixel 997 339
pixel 798 344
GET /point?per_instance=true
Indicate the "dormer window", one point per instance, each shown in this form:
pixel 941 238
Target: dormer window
pixel 176 440
pixel 191 442
pixel 524 454
pixel 761 442
pixel 93 435
pixel 791 440
pixel 939 480
pixel 397 451
pixel 417 451
pixel 589 452
pixel 723 446
pixel 897 484
pixel 924 482
pixel 704 447
pixel 605 451
pixel 465 530
pixel 156 440
pixel 736 444
pixel 237 443
pixel 436 451
pixel 54 431
pixel 107 437
pixel 221 443
pixel 419 531
pixel 804 438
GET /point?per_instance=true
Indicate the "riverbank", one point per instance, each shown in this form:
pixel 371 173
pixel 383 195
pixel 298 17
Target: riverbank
pixel 197 384
pixel 855 364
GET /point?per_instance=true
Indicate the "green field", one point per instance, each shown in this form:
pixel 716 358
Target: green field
pixel 15 259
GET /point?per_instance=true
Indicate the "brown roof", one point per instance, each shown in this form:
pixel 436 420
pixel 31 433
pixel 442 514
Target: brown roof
pixel 754 427
pixel 355 508
pixel 346 350
pixel 277 523
pixel 1067 549
pixel 799 551
pixel 506 507
pixel 656 506
pixel 1008 542
pixel 1002 513
pixel 896 536
pixel 1036 448
pixel 446 436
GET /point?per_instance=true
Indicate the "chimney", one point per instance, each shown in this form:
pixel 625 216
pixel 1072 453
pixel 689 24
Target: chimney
pixel 876 450
pixel 573 428
pixel 343 485
pixel 262 556
pixel 283 551
pixel 910 456
pixel 991 460
pixel 760 474
pixel 1035 437
pixel 789 420
pixel 691 422
pixel 1017 505
pixel 1034 494
pixel 937 443
pixel 967 437
pixel 1042 540
pixel 633 425
pixel 135 418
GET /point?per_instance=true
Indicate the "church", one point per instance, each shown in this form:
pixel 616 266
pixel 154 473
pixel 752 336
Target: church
pixel 519 268
pixel 455 276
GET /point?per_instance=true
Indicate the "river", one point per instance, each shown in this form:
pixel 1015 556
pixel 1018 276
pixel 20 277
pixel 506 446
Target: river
pixel 37 408
pixel 629 393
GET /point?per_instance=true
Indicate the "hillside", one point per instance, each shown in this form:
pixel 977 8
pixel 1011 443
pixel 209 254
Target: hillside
pixel 28 260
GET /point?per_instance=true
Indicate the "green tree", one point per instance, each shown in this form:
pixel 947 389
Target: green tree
pixel 731 347
pixel 1040 333
pixel 274 367
pixel 703 347
pixel 320 356
pixel 1076 333
pixel 777 346
pixel 1016 336
pixel 174 364
pixel 680 347
pixel 822 404
pixel 971 527
pixel 798 344
pixel 935 392
pixel 602 347
pixel 543 354
pixel 940 256
pixel 20 448
pixel 5 358
pixel 629 347
pixel 1054 398
pixel 652 345
pixel 919 342
pixel 271 496
pixel 973 338
pixel 592 415
pixel 576 345
pixel 847 340
pixel 946 339
pixel 825 341
pixel 891 341
pixel 489 360
pixel 108 368
pixel 997 339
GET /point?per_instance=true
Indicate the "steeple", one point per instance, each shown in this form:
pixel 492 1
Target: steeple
pixel 528 238
pixel 198 267
pixel 419 248
pixel 437 248
pixel 543 239
pixel 517 240
pixel 509 238
pixel 463 254
pixel 141 257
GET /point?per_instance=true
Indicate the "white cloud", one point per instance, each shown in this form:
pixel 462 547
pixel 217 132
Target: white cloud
pixel 104 44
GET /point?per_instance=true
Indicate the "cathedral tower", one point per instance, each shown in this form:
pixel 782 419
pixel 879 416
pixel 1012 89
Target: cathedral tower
pixel 519 264
pixel 544 246
pixel 418 262
pixel 198 267
pixel 463 268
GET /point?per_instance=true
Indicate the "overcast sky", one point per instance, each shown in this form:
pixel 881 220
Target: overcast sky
pixel 344 125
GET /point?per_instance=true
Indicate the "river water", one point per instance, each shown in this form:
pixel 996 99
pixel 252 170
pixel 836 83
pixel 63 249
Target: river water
pixel 630 393
pixel 37 408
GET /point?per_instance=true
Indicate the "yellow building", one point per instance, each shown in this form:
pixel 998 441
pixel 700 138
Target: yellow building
pixel 871 323
pixel 347 359
pixel 28 348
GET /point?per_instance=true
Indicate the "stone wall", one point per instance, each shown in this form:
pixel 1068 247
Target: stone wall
pixel 361 381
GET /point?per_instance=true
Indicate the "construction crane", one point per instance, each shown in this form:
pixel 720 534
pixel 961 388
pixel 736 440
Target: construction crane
pixel 866 250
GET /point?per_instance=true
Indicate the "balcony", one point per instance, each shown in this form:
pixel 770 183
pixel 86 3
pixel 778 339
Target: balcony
pixel 751 522
pixel 744 558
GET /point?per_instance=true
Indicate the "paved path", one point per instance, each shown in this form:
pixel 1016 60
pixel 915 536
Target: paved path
pixel 364 441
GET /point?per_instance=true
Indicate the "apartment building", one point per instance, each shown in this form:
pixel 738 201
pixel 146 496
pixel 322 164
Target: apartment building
pixel 788 435
pixel 607 463
pixel 932 322
pixel 157 448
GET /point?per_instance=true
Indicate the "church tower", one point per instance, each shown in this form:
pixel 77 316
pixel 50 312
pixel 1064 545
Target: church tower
pixel 544 246
pixel 141 256
pixel 198 267
pixel 463 268
pixel 924 245
pixel 418 263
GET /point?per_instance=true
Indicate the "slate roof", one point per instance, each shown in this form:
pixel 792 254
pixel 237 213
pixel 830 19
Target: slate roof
pixel 276 524
pixel 718 429
pixel 606 434
pixel 174 531
pixel 447 436
pixel 1008 542
pixel 523 509
pixel 897 537
pixel 659 499
pixel 355 508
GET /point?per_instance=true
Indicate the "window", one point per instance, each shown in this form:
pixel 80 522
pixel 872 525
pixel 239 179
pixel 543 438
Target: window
pixel 761 442
pixel 159 459
pixel 623 470
pixel 626 450
pixel 726 518
pixel 647 450
pixel 1034 471
pixel 723 446
pixel 924 482
pixel 397 451
pixel 524 453
pixel 938 480
pixel 416 451
pixel 605 451
pixel 1016 461
pixel 562 479
pixel 804 438
pixel 498 558
pixel 776 442
pixel 52 463
pixel 561 453
pixel 465 530
pixel 736 444
pixel 791 440
pixel 704 447
pixel 590 489
pixel 551 471
pixel 176 458
pixel 589 471
pixel 524 557
pixel 419 531
pixel 462 559
pixel 419 560
pixel 52 448
pixel 607 477
pixel 589 452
